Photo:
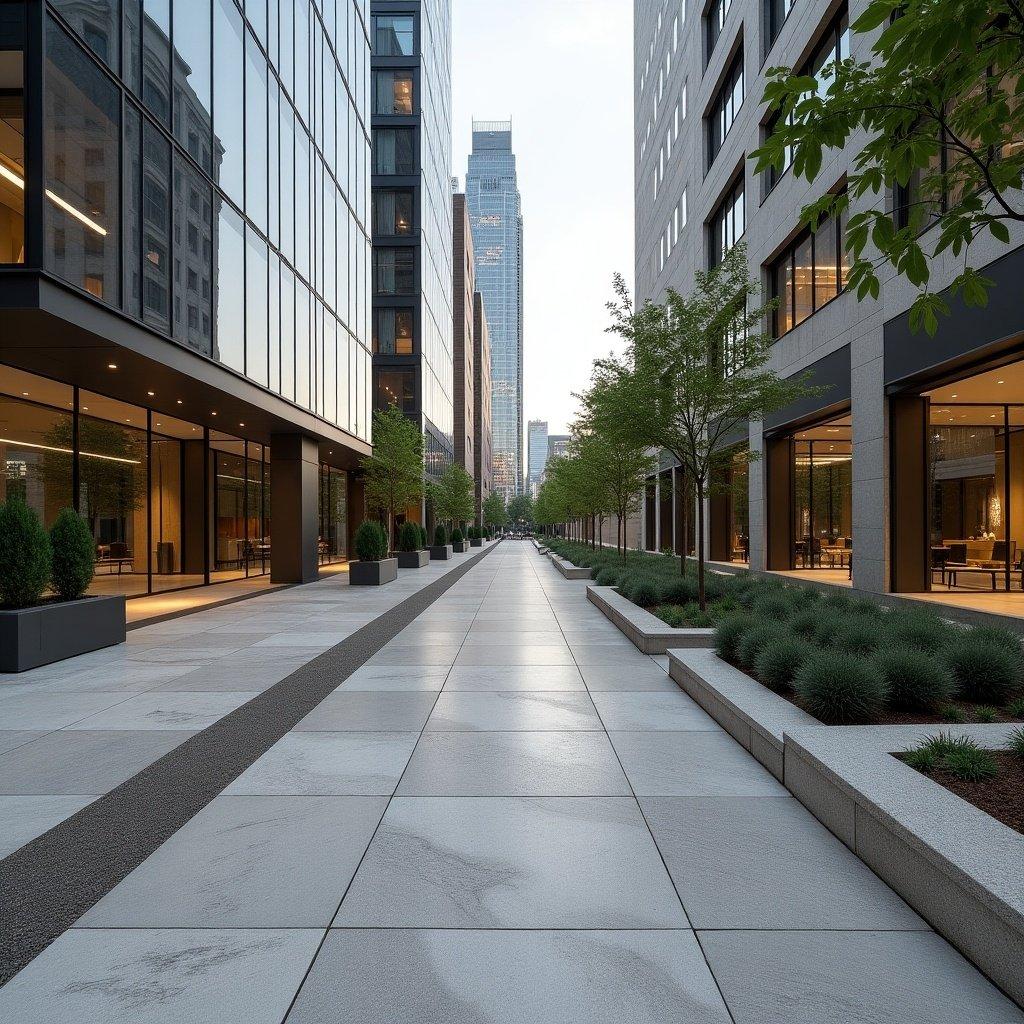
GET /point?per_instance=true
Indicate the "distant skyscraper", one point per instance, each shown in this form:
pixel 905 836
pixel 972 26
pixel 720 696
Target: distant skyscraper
pixel 537 451
pixel 558 445
pixel 492 195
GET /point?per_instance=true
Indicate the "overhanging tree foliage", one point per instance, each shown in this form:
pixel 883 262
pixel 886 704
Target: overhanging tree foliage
pixel 942 106
pixel 696 369
pixel 394 473
pixel 520 509
pixel 452 496
pixel 494 512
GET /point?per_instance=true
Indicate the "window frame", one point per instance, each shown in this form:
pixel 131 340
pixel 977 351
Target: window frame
pixel 734 75
pixel 735 190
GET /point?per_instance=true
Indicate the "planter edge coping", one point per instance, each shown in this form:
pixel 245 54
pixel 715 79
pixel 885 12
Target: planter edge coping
pixel 646 631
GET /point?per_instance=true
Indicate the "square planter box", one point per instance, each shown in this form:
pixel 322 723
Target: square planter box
pixel 461 546
pixel 30 637
pixel 373 574
pixel 476 542
pixel 413 559
pixel 440 552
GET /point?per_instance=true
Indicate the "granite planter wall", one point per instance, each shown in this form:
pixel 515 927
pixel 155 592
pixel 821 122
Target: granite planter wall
pixel 476 542
pixel 567 569
pixel 374 573
pixel 413 559
pixel 460 546
pixel 441 552
pixel 646 631
pixel 30 637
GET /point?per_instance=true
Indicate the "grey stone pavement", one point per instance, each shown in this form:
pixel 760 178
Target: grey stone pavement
pixel 507 815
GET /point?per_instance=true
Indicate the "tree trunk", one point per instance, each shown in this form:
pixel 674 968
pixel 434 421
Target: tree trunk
pixel 701 596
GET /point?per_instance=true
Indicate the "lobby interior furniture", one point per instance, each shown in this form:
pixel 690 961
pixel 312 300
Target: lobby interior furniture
pixel 116 554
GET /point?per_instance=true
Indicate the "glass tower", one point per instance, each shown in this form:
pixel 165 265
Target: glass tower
pixel 537 456
pixel 492 194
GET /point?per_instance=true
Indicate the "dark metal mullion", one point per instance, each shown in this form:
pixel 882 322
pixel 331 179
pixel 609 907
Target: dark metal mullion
pixel 76 475
pixel 206 505
pixel 35 160
pixel 245 505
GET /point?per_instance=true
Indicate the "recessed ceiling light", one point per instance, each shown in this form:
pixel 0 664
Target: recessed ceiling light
pixel 180 402
pixel 241 424
pixel 953 395
pixel 151 393
pixel 213 414
pixel 111 366
pixel 25 393
pixel 1000 382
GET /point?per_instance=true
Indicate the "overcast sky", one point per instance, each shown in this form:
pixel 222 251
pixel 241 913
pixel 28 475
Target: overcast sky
pixel 562 71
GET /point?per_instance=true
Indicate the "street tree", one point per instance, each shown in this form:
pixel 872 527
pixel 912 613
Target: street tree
pixel 452 496
pixel 494 512
pixel 941 104
pixel 696 369
pixel 393 474
pixel 520 509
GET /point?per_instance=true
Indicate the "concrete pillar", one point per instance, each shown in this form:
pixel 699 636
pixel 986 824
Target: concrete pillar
pixel 294 512
pixel 870 463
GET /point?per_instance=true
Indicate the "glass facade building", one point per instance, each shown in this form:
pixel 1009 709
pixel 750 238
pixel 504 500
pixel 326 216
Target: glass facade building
pixel 185 264
pixel 537 454
pixel 492 194
pixel 412 218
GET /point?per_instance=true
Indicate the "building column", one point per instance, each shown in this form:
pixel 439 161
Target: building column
pixel 870 465
pixel 911 550
pixel 778 504
pixel 756 526
pixel 294 512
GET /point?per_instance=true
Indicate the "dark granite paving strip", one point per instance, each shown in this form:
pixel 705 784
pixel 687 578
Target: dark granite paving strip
pixel 52 881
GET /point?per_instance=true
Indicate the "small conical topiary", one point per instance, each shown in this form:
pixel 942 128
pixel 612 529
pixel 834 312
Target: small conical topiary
pixel 409 537
pixel 440 537
pixel 371 541
pixel 74 555
pixel 25 555
pixel 456 536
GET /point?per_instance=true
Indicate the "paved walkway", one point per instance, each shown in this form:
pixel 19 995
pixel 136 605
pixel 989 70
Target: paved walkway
pixel 506 815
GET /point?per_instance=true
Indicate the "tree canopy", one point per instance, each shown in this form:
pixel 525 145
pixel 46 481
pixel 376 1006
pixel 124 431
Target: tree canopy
pixel 452 496
pixel 520 509
pixel 940 106
pixel 494 512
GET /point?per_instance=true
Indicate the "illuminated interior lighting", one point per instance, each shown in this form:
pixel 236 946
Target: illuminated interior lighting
pixel 68 451
pixel 111 366
pixel 151 393
pixel 77 214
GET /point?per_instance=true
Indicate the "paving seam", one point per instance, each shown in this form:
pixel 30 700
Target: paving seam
pixel 49 883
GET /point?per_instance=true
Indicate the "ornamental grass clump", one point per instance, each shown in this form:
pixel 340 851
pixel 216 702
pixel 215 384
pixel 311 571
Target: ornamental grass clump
pixel 857 635
pixel 1016 707
pixel 779 660
pixel 754 639
pixel 922 631
pixel 840 689
pixel 679 590
pixel 985 671
pixel 1015 742
pixel 986 714
pixel 958 755
pixel 26 557
pixel 728 634
pixel 916 681
pixel 371 541
pixel 999 636
pixel 641 590
pixel 778 607
pixel 607 577
pixel 953 714
pixel 805 622
pixel 74 555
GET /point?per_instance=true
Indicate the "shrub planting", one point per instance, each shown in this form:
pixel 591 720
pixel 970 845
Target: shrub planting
pixel 774 606
pixel 999 636
pixel 26 557
pixel 641 590
pixel 440 537
pixel 840 689
pixel 778 661
pixel 73 554
pixel 1015 742
pixel 680 590
pixel 931 753
pixel 805 622
pixel 985 714
pixel 1016 707
pixel 606 577
pixel 371 541
pixel 919 630
pixel 423 537
pixel 409 537
pixel 456 536
pixel 952 713
pixel 986 672
pixel 916 681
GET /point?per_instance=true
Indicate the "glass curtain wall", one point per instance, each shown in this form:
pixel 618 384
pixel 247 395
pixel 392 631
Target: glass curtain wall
pixel 12 157
pixel 241 508
pixel 822 500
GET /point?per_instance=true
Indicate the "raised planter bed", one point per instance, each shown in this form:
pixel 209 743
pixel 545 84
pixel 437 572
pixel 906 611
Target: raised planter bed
pixel 460 546
pixel 440 552
pixel 45 633
pixel 646 631
pixel 476 542
pixel 567 569
pixel 374 573
pixel 958 867
pixel 413 559
pixel 751 713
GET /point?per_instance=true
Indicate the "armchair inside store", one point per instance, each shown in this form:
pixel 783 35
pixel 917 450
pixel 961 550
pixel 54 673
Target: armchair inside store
pixel 958 484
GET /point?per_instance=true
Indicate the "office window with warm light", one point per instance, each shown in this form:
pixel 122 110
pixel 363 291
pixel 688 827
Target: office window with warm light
pixel 392 92
pixel 396 387
pixel 393 332
pixel 810 273
pixel 392 211
pixel 12 157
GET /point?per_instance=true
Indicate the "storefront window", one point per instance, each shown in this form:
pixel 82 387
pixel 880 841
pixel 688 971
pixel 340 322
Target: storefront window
pixel 823 496
pixel 333 544
pixel 739 508
pixel 240 508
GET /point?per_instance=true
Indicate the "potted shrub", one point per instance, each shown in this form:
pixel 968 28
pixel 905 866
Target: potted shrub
pixel 35 630
pixel 374 567
pixel 411 554
pixel 476 537
pixel 440 549
pixel 424 540
pixel 458 542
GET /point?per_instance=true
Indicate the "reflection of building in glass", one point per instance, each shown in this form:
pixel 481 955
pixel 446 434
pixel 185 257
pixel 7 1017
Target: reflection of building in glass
pixel 492 194
pixel 537 452
pixel 200 335
pixel 412 219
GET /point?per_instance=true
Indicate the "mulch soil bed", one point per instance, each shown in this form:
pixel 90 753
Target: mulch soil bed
pixel 1002 796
